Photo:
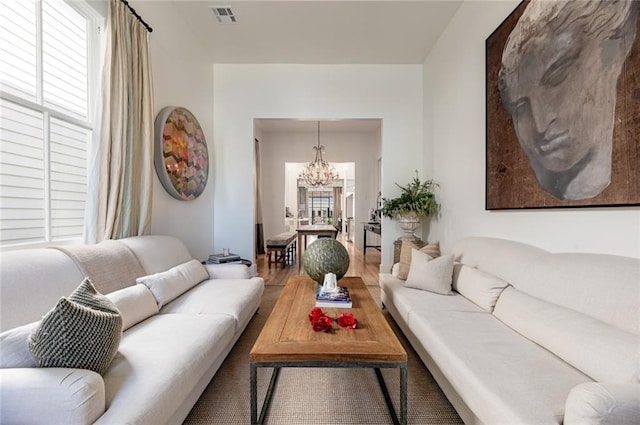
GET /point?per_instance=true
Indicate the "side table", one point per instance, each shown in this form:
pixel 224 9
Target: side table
pixel 397 247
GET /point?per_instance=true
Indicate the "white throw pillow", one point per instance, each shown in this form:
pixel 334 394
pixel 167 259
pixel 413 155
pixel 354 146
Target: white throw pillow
pixel 430 274
pixel 14 349
pixel 135 303
pixel 477 286
pixel 169 285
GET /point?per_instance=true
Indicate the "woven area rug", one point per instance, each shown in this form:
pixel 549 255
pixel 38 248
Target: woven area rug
pixel 318 396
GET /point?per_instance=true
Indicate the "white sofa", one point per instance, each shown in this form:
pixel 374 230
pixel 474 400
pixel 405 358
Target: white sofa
pixel 164 361
pixel 527 336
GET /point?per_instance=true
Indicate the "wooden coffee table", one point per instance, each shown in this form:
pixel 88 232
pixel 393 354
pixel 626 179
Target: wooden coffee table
pixel 287 340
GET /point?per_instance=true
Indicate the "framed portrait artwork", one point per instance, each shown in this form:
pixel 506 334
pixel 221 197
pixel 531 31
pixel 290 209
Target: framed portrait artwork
pixel 563 106
pixel 181 157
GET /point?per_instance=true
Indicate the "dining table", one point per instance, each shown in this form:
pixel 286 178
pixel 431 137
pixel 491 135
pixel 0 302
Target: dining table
pixel 318 230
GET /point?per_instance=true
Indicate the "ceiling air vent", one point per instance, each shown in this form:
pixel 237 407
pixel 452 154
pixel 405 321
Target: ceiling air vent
pixel 224 14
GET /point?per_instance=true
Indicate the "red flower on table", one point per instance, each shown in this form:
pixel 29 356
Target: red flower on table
pixel 322 324
pixel 315 314
pixel 346 320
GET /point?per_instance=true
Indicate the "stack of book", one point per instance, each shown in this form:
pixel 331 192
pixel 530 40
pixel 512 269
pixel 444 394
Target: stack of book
pixel 221 258
pixel 340 299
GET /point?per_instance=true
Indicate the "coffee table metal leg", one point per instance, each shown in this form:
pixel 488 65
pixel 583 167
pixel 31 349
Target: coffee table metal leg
pixel 253 382
pixel 403 396
pixel 255 420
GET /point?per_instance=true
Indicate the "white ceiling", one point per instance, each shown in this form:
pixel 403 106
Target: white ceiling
pixel 315 32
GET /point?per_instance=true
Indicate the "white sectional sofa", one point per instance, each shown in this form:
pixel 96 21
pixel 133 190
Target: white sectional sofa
pixel 166 356
pixel 527 336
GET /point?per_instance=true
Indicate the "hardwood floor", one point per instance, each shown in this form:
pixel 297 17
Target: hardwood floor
pixel 366 266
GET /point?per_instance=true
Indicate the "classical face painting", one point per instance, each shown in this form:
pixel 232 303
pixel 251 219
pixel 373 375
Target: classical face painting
pixel 558 79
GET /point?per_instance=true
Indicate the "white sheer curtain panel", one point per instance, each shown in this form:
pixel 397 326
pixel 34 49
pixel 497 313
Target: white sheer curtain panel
pixel 121 184
pixel 259 238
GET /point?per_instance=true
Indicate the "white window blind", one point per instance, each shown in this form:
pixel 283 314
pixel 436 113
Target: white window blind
pixel 68 176
pixel 64 57
pixel 45 126
pixel 18 48
pixel 22 179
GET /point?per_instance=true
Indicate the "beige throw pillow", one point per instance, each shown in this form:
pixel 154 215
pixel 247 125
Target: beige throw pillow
pixel 433 250
pixel 429 274
pixel 480 287
pixel 169 285
pixel 82 331
pixel 135 304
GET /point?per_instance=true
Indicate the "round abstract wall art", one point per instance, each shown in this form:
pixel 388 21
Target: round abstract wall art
pixel 181 157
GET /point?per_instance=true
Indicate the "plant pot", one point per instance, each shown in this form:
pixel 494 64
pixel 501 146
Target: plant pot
pixel 409 223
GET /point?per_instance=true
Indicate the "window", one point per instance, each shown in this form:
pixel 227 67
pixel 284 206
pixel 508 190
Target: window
pixel 47 78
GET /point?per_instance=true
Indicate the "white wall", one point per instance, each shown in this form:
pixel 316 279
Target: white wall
pixel 455 153
pixel 277 148
pixel 181 78
pixel 392 93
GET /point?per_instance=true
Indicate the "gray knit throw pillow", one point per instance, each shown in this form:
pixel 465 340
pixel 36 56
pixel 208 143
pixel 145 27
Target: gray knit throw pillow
pixel 82 331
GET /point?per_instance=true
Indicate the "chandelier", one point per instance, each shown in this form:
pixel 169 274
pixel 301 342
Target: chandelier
pixel 318 173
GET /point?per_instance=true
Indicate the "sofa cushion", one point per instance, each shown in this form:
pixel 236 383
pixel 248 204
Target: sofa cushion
pixel 236 298
pixel 168 285
pixel 51 396
pixel 82 331
pixel 160 366
pixel 503 377
pixel 480 287
pixel 228 271
pixel 433 250
pixel 158 253
pixel 14 349
pixel 405 300
pixel 596 403
pixel 599 350
pixel 430 274
pixel 135 304
pixel 602 286
pixel 500 257
pixel 20 280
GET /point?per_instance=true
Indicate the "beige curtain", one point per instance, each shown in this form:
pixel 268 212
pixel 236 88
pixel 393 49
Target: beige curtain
pixel 259 237
pixel 337 207
pixel 303 203
pixel 123 180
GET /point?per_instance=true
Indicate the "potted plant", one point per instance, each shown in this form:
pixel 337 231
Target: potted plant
pixel 416 200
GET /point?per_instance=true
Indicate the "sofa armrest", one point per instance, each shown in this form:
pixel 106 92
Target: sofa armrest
pixel 228 271
pixel 50 396
pixel 597 403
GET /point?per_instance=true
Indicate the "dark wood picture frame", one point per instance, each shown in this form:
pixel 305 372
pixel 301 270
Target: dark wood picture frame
pixel 512 183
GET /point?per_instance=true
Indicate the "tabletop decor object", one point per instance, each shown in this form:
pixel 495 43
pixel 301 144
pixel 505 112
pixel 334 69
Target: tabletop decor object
pixel 323 256
pixel 322 322
pixel 339 299
pixel 347 320
pixel 330 284
pixel 181 157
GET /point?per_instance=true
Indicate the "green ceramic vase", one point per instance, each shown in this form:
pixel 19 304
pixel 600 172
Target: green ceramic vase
pixel 323 256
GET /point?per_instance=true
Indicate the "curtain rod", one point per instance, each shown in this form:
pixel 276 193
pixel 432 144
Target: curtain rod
pixel 133 11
